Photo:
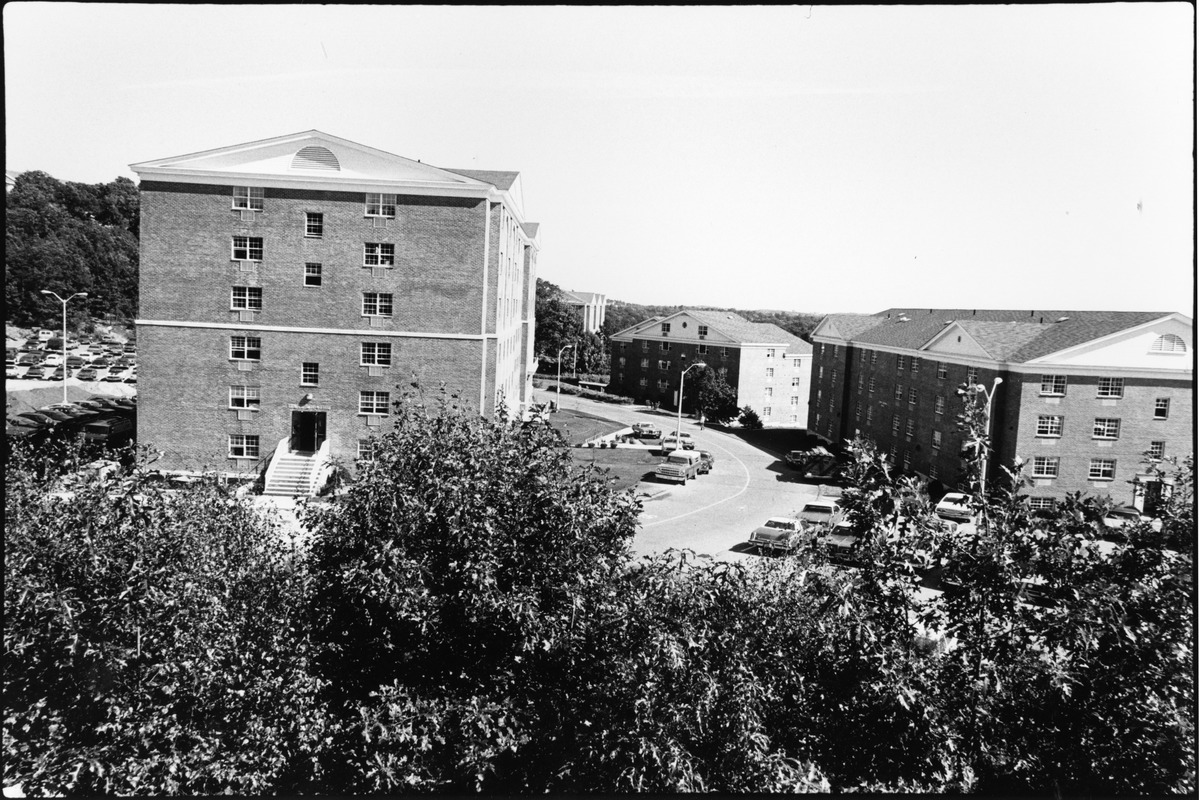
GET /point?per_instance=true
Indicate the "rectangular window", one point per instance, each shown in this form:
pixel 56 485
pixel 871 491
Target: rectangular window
pixel 766 411
pixel 907 460
pixel 310 373
pixel 942 371
pixel 643 383
pixel 1111 387
pixel 243 445
pixel 936 440
pixel 376 254
pixel 702 330
pixel 376 304
pixel 915 365
pixel 795 362
pixel 1048 425
pixel 245 348
pixel 381 205
pixel 1157 449
pixel 663 385
pixel 645 363
pixel 723 372
pixel 247 197
pixel 1044 467
pixel 1102 469
pixel 366 450
pixel 769 392
pixel 909 429
pixel 869 415
pixel 1161 408
pixel 900 362
pixel 622 361
pixel 894 424
pixel 644 345
pixel 820 373
pixel 1106 428
pixel 312 274
pixel 871 389
pixel 933 472
pixel 1053 385
pixel 939 405
pixel 1041 503
pixel 663 364
pixel 898 392
pixel 770 352
pixel 247 248
pixel 665 347
pixel 702 349
pixel 374 402
pixel 794 401
pixel 912 396
pixel 795 383
pixel 834 376
pixel 243 396
pixel 873 356
pixel 665 328
pixel 314 225
pixel 246 297
pixel 769 373
pixel 971 375
pixel 376 354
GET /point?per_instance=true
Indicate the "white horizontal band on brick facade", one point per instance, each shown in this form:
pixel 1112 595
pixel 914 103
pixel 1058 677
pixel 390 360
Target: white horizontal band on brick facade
pixel 372 332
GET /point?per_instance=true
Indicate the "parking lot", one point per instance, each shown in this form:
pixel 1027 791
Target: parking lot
pixel 714 513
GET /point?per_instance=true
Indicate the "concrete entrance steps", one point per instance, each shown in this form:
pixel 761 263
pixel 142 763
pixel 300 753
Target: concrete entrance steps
pixel 292 475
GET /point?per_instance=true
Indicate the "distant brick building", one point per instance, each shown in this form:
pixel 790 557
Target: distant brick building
pixel 769 368
pixel 290 288
pixel 1084 394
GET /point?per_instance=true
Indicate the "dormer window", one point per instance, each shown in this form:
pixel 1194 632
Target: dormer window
pixel 665 328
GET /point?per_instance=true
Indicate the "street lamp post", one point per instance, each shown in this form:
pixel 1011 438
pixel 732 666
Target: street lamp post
pixel 558 402
pixel 982 478
pixel 64 335
pixel 679 428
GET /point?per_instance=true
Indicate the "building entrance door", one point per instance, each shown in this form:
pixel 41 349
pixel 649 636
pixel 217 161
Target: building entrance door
pixel 307 431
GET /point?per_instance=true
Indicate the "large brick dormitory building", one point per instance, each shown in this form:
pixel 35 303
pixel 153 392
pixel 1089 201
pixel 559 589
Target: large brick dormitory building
pixel 769 368
pixel 1084 394
pixel 290 285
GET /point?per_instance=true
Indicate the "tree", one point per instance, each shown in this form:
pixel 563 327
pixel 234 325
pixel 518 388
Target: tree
pixel 749 419
pixel 558 324
pixel 708 393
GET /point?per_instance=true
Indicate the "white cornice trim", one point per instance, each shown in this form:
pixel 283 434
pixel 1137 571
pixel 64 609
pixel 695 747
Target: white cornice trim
pixel 371 332
pixel 321 183
pixel 1123 332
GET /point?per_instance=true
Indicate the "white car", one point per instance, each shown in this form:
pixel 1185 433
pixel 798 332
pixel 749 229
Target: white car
pixel 673 442
pixel 820 513
pixel 954 507
pixel 779 533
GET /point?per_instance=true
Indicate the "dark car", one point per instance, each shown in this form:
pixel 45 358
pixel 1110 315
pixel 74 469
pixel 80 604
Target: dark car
pixel 44 420
pixel 113 377
pixel 707 461
pixel 87 374
pixel 34 373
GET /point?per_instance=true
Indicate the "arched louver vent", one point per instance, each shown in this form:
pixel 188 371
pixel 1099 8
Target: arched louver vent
pixel 1169 343
pixel 315 157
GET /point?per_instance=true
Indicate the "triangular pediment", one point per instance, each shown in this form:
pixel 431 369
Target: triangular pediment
pixel 827 329
pixel 957 341
pixel 1165 343
pixel 308 156
pixel 684 327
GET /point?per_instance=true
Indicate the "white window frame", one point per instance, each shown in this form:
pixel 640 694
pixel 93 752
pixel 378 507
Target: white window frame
pixel 1053 386
pixel 243 248
pixel 665 328
pixel 1107 428
pixel 972 375
pixel 1101 469
pixel 314 270
pixel 244 446
pixel 1110 388
pixel 942 370
pixel 375 354
pixel 245 298
pixel 375 299
pixel 645 363
pixel 370 401
pixel 1161 408
pixel 247 198
pixel 1157 449
pixel 1168 343
pixel 310 373
pixel 314 228
pixel 245 397
pixel 378 204
pixel 246 346
pixel 912 394
pixel 378 254
pixel 936 440
pixel 366 450
pixel 939 405
pixel 1041 503
pixel 1046 466
pixel 1049 426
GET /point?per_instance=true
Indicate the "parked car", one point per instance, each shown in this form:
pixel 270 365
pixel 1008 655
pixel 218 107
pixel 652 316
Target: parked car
pixel 87 374
pixel 779 534
pixel 29 359
pixel 954 507
pixel 56 375
pixel 841 543
pixel 646 430
pixel 679 466
pixel 34 373
pixel 131 378
pixel 707 461
pixel 116 431
pixel 40 418
pixel 802 458
pixel 112 377
pixel 74 362
pixel 821 513
pixel 674 442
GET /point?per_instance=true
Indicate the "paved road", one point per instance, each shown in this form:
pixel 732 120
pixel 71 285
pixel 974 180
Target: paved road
pixel 715 513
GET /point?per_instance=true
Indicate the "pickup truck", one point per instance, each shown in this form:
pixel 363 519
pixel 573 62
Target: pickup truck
pixel 679 466
pixel 646 430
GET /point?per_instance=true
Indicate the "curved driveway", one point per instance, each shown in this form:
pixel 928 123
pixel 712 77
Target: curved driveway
pixel 714 513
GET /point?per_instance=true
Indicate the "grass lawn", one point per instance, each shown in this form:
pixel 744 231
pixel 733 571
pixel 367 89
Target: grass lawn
pixel 626 466
pixel 577 427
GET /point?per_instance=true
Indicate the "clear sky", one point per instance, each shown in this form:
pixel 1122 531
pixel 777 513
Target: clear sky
pixel 803 158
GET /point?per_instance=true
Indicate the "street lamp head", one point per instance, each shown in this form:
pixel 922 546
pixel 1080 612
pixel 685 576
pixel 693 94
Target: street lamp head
pixel 47 291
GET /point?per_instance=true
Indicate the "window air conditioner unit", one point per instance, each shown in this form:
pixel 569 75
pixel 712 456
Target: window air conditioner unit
pixel 378 272
pixel 376 322
pixel 246 316
pixel 374 371
pixel 246 266
pixel 373 420
pixel 245 366
pixel 244 414
pixel 247 215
